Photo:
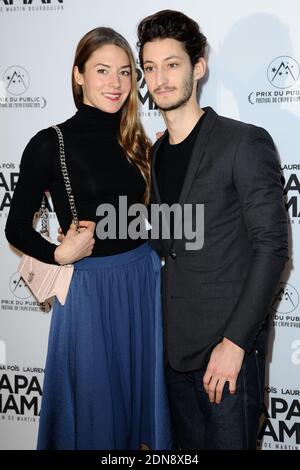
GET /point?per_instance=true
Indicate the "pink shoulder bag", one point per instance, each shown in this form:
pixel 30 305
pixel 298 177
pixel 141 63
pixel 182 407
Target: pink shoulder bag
pixel 43 279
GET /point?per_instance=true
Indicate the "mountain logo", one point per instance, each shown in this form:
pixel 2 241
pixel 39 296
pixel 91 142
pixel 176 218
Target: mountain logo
pixel 18 287
pixel 286 299
pixel 16 80
pixel 283 72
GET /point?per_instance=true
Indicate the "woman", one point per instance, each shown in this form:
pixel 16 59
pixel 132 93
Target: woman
pixel 104 385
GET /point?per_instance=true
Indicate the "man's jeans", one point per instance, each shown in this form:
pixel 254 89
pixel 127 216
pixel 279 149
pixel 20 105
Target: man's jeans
pixel 232 424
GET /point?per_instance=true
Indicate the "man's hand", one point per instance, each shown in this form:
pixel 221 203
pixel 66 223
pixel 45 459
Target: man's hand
pixel 224 366
pixel 74 245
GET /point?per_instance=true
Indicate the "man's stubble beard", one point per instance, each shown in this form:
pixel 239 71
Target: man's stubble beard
pixel 187 90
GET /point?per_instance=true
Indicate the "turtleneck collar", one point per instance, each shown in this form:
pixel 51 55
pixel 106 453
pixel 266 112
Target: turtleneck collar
pixel 95 116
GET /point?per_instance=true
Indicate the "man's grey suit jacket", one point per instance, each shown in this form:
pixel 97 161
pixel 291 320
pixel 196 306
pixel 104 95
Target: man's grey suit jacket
pixel 225 288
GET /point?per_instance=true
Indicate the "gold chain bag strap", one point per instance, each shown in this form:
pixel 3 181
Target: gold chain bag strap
pixel 47 280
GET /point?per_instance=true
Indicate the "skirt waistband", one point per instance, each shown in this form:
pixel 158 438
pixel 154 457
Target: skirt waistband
pixel 114 260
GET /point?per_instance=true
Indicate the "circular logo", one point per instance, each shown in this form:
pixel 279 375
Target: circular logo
pixel 16 80
pixel 286 299
pixel 18 287
pixel 283 72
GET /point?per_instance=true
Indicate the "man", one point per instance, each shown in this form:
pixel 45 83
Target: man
pixel 216 298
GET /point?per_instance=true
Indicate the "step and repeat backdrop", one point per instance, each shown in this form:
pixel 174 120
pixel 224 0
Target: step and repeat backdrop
pixel 254 67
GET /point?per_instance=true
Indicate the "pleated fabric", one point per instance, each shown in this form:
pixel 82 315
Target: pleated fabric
pixel 104 384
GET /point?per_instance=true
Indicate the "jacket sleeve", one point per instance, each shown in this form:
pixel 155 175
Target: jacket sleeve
pixel 257 179
pixel 34 178
pixel 156 244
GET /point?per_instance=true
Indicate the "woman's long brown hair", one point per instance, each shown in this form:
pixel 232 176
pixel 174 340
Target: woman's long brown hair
pixel 132 136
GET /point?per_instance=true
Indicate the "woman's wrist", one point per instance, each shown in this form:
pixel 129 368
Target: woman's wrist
pixel 57 256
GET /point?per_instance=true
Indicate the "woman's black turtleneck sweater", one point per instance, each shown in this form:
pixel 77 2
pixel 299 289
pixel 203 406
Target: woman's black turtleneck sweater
pixel 99 173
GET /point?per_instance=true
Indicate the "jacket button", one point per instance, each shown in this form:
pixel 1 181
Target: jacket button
pixel 173 255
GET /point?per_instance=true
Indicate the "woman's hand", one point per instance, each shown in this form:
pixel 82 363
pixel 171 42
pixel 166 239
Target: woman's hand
pixel 60 236
pixel 75 246
pixel 81 227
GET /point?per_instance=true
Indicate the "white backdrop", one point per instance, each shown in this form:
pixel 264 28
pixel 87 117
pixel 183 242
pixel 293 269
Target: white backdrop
pixel 253 76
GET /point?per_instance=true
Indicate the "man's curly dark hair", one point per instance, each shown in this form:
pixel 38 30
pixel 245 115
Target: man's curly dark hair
pixel 175 25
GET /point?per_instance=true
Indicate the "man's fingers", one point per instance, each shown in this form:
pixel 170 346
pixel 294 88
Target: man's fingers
pixel 206 379
pixel 212 389
pixel 219 390
pixel 232 386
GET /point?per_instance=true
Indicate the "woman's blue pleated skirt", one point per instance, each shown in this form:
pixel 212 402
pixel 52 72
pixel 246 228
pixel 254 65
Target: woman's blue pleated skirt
pixel 104 382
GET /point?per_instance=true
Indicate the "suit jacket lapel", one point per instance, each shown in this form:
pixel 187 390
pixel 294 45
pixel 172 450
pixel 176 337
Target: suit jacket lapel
pixel 197 154
pixel 196 157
